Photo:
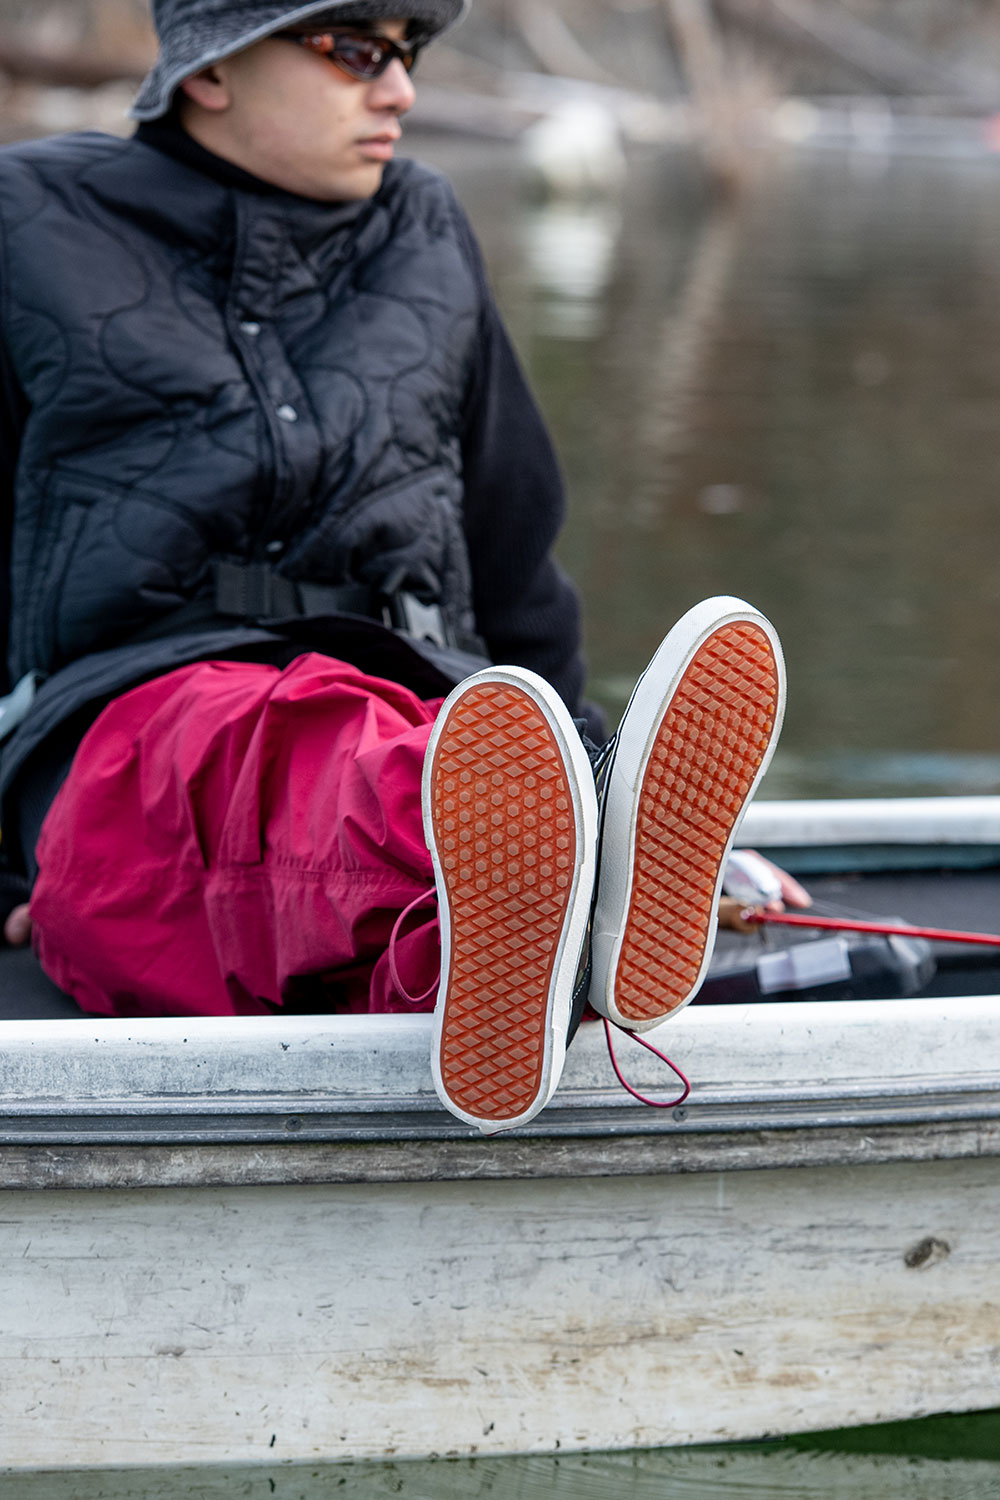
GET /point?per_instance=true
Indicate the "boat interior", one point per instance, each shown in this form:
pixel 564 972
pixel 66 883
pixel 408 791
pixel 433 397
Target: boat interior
pixel 851 874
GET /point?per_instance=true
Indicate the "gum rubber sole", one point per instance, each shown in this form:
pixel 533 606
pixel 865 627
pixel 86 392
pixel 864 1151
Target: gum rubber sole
pixel 502 822
pixel 711 746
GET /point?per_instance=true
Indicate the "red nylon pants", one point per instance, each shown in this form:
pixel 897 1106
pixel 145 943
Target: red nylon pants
pixel 231 829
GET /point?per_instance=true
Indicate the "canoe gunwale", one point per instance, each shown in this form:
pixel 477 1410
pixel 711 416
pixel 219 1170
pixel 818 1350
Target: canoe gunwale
pixel 349 1098
pixel 888 821
pixel 207 1121
pixel 150 1145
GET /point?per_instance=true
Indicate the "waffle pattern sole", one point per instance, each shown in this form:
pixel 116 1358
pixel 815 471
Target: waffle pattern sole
pixel 706 754
pixel 504 834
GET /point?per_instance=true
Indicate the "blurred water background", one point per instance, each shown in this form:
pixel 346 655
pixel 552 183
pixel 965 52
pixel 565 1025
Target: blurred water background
pixel 792 395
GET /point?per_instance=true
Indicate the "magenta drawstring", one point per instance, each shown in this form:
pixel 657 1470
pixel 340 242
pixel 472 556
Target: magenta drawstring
pixel 416 1000
pixel 653 1103
pixel 397 982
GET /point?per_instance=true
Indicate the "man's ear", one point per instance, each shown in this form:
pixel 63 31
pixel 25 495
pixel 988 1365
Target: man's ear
pixel 209 89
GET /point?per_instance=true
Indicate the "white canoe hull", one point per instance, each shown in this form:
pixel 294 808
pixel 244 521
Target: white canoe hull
pixel 317 1323
pixel 262 1242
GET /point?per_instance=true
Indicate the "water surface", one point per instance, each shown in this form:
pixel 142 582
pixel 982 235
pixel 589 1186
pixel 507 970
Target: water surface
pixel 944 1458
pixel 794 398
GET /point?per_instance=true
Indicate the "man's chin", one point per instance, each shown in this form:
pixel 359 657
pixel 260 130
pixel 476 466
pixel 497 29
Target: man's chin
pixel 361 184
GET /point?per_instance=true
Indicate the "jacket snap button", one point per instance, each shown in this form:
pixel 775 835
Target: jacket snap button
pixel 288 413
pixel 250 328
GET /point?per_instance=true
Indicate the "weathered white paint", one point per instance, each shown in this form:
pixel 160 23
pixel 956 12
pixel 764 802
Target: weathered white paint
pixel 591 1153
pixel 262 1325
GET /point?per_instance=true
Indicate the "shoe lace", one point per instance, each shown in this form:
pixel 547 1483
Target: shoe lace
pixel 397 982
pixel 600 759
pixel 653 1103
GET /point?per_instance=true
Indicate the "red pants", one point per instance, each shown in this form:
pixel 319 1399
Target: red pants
pixel 230 832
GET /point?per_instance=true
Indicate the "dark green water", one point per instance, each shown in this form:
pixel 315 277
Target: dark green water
pixel 796 399
pixel 943 1458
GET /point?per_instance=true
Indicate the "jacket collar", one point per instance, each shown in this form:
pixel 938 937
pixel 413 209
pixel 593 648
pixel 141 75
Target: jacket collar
pixel 169 136
pixel 192 197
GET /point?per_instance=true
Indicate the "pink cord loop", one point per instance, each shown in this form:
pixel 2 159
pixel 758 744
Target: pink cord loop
pixel 397 982
pixel 653 1103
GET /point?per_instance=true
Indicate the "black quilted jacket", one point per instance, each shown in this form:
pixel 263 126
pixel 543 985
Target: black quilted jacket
pixel 200 368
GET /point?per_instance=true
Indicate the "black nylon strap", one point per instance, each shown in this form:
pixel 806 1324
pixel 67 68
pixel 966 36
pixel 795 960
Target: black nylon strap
pixel 253 591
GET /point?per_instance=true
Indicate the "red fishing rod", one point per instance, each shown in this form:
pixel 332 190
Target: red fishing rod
pixel 883 929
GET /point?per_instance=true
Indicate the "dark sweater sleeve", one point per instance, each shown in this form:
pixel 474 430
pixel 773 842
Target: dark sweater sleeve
pixel 527 610
pixel 12 418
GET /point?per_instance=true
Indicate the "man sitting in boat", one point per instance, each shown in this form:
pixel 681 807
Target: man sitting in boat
pixel 277 488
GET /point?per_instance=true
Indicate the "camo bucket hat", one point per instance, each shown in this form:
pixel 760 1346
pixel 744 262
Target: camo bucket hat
pixel 196 33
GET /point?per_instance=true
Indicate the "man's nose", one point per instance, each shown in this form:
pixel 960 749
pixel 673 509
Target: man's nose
pixel 394 89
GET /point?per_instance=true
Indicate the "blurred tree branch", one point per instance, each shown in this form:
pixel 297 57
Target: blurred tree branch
pixel 891 63
pixel 554 45
pixel 702 55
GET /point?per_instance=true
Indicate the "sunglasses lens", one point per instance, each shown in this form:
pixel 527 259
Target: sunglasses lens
pixel 360 56
pixel 363 57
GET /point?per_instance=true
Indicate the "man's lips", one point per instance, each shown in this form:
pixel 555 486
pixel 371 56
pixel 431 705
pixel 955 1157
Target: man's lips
pixel 379 147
